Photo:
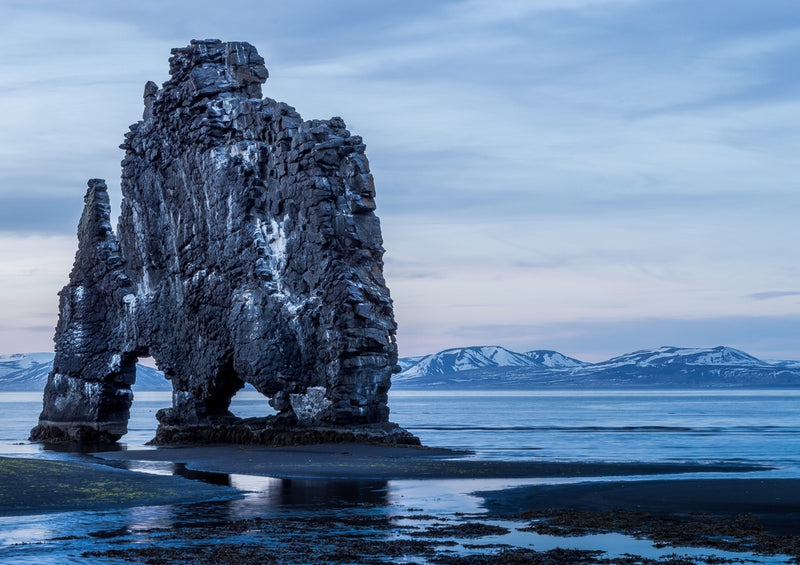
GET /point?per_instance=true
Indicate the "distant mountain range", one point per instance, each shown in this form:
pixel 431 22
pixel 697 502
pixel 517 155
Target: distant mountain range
pixel 27 372
pixel 497 368
pixel 494 367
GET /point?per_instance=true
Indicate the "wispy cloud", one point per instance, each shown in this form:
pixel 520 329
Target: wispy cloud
pixel 561 160
pixel 45 214
pixel 773 294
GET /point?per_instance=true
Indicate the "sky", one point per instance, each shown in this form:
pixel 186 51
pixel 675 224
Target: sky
pixel 589 176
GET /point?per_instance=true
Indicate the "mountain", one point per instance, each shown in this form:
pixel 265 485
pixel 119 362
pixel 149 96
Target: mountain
pixel 553 359
pixel 27 372
pixel 676 356
pixel 470 358
pixel 497 368
pixel 465 359
pixel 406 362
pixel 24 371
pixel 665 367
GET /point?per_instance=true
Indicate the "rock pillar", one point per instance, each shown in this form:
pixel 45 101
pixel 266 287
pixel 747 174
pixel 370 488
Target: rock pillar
pixel 249 252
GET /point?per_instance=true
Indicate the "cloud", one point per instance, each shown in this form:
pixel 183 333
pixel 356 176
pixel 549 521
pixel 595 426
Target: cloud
pixel 560 160
pixel 773 294
pixel 50 214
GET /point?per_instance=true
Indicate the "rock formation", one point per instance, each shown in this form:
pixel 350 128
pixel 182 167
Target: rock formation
pixel 247 252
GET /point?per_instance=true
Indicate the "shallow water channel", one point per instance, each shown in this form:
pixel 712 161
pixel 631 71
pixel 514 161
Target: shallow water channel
pixel 308 521
pixel 408 521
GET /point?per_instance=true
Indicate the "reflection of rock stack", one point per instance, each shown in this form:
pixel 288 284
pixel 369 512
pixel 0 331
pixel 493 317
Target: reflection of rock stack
pixel 248 251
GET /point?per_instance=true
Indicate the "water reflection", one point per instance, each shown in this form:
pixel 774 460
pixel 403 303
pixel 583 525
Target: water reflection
pixel 220 479
pixel 262 496
pixel 275 492
pixel 75 447
pixel 320 492
pixel 287 513
pixel 330 503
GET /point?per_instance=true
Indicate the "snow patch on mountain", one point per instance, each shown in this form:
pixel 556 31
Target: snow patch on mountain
pixel 668 355
pixel 494 367
pixel 464 359
pixel 553 359
pixel 408 362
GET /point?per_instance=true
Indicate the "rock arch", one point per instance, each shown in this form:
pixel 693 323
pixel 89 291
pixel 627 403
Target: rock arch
pixel 247 251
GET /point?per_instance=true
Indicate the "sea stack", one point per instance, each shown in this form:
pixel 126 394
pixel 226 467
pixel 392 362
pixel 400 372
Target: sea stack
pixel 247 251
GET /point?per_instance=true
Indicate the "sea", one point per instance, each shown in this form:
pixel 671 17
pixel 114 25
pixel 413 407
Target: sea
pixel 759 427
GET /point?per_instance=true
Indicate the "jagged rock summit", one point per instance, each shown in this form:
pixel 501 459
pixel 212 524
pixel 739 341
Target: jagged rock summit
pixel 247 251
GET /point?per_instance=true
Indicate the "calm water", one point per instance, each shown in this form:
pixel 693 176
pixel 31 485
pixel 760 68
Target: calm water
pixel 755 426
pixel 750 426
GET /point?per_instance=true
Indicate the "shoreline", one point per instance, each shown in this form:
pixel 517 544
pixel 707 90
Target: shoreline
pixel 745 514
pixel 381 462
pixel 774 503
pixel 31 486
pixel 42 486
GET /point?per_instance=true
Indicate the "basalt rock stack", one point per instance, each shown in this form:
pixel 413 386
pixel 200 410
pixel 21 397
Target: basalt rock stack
pixel 247 251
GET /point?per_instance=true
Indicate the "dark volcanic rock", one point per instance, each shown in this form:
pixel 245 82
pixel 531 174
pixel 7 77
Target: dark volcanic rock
pixel 248 253
pixel 91 378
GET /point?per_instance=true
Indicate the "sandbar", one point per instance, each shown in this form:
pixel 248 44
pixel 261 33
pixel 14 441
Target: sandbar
pixel 363 461
pixel 38 486
pixel 775 502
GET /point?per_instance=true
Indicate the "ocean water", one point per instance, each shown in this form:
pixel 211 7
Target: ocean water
pixel 756 426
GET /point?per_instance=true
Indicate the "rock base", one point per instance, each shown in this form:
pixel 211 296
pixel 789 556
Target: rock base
pixel 259 431
pixel 76 432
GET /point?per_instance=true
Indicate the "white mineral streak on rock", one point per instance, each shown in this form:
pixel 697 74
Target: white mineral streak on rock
pixel 76 335
pixel 130 301
pixel 229 106
pixel 229 216
pixel 91 389
pixel 277 241
pixel 59 379
pixel 115 363
pixel 143 288
pixel 248 299
pixel 220 157
pixel 247 151
pixel 309 407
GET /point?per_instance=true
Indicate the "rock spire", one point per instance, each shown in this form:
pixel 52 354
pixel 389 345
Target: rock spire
pixel 247 251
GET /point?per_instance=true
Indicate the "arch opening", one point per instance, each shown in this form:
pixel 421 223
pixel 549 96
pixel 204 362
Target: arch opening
pixel 249 404
pixel 151 392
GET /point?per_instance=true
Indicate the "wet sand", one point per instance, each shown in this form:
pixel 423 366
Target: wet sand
pixel 358 461
pixel 775 503
pixel 740 514
pixel 36 486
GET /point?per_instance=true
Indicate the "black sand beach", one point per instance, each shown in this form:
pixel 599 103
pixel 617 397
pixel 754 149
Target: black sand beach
pixel 35 486
pixel 731 514
pixel 775 503
pixel 359 461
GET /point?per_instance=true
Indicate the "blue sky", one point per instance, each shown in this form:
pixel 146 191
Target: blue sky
pixel 591 176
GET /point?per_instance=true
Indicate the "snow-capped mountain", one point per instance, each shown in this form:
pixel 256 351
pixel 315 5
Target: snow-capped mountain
pixel 673 356
pixel 407 362
pixel 553 359
pixel 664 367
pixel 465 359
pixel 27 372
pixel 24 371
